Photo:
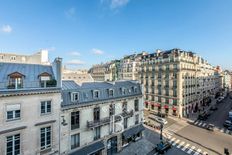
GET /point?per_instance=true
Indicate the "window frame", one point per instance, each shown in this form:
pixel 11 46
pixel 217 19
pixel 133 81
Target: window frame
pixel 46 112
pixel 76 125
pixel 14 118
pixel 46 145
pixel 13 141
pixel 73 98
pixel 76 139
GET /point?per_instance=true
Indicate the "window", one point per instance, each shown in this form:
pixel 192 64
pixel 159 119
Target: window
pixel 74 96
pixel 96 114
pixel 112 109
pixel 75 141
pixel 15 83
pixel 45 107
pixel 45 138
pixel 13 58
pixel 13 112
pixel 124 106
pixel 125 123
pixel 96 94
pixel 1 57
pixel 13 145
pixel 97 133
pixel 137 119
pixel 75 120
pixel 136 104
pixel 111 92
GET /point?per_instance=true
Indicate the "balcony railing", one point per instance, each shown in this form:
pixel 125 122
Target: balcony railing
pixel 106 120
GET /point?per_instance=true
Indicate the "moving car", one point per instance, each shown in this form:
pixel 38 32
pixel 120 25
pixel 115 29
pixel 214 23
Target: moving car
pixel 163 147
pixel 227 123
pixel 161 120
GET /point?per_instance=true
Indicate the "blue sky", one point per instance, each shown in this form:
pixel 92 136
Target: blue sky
pixel 86 32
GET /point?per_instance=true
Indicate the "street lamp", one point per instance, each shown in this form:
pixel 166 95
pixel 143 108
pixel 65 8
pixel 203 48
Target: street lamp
pixel 161 131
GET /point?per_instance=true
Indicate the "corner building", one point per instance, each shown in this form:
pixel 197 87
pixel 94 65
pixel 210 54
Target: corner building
pixel 100 118
pixel 176 82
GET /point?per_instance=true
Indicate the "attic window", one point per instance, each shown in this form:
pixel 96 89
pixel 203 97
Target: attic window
pixel 16 80
pixel 44 77
pixel 111 92
pixel 74 96
pixel 12 58
pixel 96 94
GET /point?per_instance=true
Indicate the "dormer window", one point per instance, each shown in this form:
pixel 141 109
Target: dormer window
pixel 12 58
pixel 15 80
pixel 111 92
pixel 123 91
pixel 96 94
pixel 46 81
pixel 74 96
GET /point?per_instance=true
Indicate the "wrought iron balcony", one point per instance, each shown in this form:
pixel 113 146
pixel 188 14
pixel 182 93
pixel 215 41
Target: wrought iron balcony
pixel 106 120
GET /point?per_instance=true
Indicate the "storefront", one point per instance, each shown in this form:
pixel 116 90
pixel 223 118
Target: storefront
pixel 174 113
pixel 132 134
pixel 166 109
pixel 92 149
pixel 112 146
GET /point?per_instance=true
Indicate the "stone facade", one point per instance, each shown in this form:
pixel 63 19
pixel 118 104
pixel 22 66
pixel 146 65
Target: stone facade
pixel 110 123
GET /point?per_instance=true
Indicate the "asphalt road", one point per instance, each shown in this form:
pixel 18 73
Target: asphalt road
pixel 219 116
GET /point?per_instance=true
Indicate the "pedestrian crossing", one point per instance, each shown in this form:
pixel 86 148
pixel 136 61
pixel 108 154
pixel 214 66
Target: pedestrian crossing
pixel 204 125
pixel 182 145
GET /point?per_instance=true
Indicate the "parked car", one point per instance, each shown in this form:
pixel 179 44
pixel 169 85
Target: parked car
pixel 230 128
pixel 163 147
pixel 214 108
pixel 210 127
pixel 227 123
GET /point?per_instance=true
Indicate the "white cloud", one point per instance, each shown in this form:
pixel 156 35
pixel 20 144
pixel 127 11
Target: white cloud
pixel 6 29
pixel 75 53
pixel 97 51
pixel 75 62
pixel 71 13
pixel 115 4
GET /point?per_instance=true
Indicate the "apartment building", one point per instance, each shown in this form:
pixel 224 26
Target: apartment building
pixel 79 76
pixel 227 80
pixel 176 82
pixel 100 118
pixel 30 104
pixel 106 71
pixel 98 71
pixel 130 66
pixel 40 57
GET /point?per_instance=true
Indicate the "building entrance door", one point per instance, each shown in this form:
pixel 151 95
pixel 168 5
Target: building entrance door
pixel 112 146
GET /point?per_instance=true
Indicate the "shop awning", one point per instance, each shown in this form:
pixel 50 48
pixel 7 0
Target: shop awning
pixel 133 131
pixel 174 108
pixel 166 107
pixel 90 149
pixel 146 102
pixel 157 105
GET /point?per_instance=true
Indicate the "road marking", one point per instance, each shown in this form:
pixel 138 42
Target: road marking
pixel 204 125
pixel 172 140
pixel 197 152
pixel 196 122
pixel 205 153
pixel 182 143
pixel 190 150
pixel 174 143
pixel 221 130
pixel 200 124
pixel 227 131
pixel 186 146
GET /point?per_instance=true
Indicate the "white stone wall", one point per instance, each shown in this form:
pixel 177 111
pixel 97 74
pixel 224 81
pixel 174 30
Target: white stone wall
pixel 86 114
pixel 30 115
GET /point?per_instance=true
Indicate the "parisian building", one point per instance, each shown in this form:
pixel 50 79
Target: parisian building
pixel 40 57
pixel 100 118
pixel 130 66
pixel 30 105
pixel 176 82
pixel 79 76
